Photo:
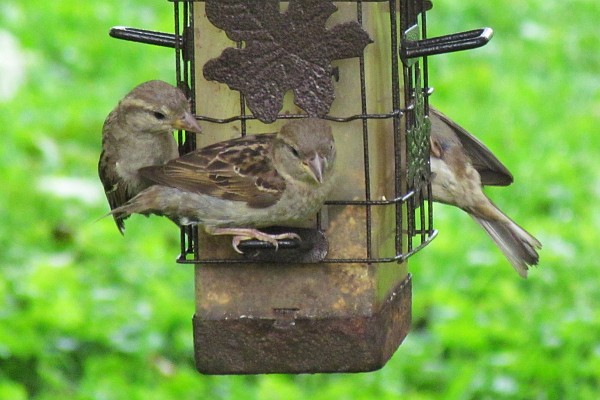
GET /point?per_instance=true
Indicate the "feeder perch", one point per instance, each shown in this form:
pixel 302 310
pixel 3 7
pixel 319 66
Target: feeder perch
pixel 339 300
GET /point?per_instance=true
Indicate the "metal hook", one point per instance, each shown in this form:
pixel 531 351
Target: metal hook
pixel 444 44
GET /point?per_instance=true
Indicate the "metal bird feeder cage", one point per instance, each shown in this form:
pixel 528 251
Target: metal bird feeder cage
pixel 339 300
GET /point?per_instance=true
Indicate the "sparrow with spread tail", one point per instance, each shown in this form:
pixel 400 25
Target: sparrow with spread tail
pixel 239 185
pixel 138 133
pixel 460 166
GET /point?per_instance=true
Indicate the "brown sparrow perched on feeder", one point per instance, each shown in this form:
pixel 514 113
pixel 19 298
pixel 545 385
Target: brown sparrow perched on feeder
pixel 239 185
pixel 460 166
pixel 139 133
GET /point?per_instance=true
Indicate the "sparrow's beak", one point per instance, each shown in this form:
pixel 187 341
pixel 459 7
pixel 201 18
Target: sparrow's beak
pixel 187 122
pixel 316 165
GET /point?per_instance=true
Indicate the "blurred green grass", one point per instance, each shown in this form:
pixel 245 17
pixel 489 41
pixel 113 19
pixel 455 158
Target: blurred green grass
pixel 87 314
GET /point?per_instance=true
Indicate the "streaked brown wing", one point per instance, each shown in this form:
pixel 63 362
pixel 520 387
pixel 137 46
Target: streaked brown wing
pixel 491 170
pixel 238 169
pixel 114 187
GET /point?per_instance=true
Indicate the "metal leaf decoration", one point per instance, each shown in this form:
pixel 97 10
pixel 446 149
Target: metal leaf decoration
pixel 283 51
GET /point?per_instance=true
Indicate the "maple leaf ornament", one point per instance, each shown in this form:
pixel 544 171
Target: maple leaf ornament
pixel 283 51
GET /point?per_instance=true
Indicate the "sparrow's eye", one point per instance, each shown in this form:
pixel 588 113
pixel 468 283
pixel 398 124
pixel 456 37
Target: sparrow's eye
pixel 159 115
pixel 294 151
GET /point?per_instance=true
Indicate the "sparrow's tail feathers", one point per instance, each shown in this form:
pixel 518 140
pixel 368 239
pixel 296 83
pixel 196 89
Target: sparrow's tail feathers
pixel 120 213
pixel 120 221
pixel 138 205
pixel 519 247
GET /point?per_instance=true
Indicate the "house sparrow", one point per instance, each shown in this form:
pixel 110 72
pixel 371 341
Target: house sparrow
pixel 139 133
pixel 236 186
pixel 460 166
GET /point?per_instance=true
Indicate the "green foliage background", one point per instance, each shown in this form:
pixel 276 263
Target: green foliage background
pixel 87 314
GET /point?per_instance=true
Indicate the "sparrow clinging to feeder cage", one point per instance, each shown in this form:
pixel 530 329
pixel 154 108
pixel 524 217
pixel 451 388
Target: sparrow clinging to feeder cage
pixel 460 166
pixel 239 185
pixel 138 133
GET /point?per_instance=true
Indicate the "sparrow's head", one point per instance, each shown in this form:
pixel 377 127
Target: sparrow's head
pixel 305 149
pixel 156 107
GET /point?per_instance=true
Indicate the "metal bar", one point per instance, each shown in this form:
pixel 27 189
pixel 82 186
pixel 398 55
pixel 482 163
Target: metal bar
pixel 142 36
pixel 398 159
pixel 173 41
pixel 397 258
pixel 393 114
pixel 190 79
pixel 397 200
pixel 425 62
pixel 447 43
pixel 182 238
pixel 184 56
pixel 365 133
pixel 421 205
pixel 243 120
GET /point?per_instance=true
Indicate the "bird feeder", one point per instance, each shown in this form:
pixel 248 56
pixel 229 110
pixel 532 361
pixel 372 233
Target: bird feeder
pixel 339 299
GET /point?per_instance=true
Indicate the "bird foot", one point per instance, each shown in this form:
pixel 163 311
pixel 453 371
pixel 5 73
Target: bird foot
pixel 265 237
pixel 241 234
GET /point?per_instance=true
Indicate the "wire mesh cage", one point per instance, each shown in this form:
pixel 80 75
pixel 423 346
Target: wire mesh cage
pixel 384 185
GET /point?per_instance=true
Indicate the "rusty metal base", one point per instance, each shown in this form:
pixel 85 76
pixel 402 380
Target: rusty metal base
pixel 255 345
